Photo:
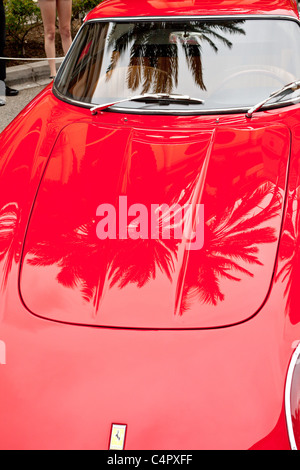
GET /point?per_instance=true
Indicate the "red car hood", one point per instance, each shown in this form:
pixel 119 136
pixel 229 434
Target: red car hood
pixel 238 175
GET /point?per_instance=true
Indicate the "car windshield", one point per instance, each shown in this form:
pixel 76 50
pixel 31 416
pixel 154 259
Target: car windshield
pixel 223 64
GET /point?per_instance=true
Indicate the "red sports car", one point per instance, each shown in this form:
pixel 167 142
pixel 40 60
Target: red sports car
pixel 150 234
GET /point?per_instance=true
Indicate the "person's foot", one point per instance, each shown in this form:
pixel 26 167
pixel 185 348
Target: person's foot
pixel 11 91
pixel 2 103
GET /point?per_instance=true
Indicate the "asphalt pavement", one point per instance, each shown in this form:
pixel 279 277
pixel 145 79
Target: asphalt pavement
pixel 29 79
pixel 15 104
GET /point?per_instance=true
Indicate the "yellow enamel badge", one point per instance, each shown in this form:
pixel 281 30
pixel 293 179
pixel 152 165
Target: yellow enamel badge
pixel 117 437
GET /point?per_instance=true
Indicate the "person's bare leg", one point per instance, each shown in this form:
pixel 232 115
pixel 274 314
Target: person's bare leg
pixel 64 9
pixel 48 11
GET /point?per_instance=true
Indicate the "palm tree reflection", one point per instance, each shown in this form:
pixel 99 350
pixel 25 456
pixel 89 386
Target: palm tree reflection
pixel 232 238
pixel 155 49
pixel 289 272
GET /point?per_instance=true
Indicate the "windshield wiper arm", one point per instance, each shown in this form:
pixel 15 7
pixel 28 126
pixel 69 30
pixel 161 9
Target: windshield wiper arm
pixel 167 98
pixel 162 98
pixel 291 87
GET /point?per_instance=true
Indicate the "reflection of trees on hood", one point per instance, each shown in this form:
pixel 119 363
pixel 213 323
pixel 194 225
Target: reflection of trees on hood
pixel 290 258
pixel 232 239
pixel 150 56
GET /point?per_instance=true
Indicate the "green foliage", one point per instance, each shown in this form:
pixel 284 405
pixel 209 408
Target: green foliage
pixel 82 7
pixel 21 17
pixel 24 15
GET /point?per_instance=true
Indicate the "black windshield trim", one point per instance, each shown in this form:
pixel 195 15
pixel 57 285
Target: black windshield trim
pixel 206 112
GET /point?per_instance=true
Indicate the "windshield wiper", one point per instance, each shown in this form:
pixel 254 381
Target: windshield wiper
pixel 162 98
pixel 291 87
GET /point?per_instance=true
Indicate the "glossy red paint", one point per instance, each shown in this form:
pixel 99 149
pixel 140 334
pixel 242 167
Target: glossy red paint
pixel 178 381
pixel 200 164
pixel 123 8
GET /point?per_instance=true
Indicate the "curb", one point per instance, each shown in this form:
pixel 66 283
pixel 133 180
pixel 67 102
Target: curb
pixel 28 75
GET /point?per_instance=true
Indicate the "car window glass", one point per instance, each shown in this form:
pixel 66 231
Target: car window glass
pixel 227 63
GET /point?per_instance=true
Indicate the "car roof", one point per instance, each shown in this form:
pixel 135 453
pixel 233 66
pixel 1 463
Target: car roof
pixel 136 8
